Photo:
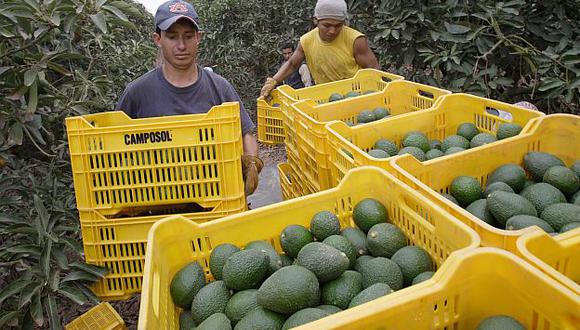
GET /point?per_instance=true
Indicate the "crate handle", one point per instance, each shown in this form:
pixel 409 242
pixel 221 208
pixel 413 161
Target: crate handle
pixel 531 126
pixel 426 94
pixel 386 78
pixel 498 113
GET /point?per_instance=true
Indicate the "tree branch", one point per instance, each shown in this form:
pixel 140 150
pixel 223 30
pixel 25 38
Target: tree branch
pixel 28 45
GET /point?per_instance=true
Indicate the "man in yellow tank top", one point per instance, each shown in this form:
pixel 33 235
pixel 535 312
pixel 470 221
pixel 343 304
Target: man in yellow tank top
pixel 333 51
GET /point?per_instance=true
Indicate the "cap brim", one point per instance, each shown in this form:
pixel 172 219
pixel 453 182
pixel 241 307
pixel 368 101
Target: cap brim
pixel 166 24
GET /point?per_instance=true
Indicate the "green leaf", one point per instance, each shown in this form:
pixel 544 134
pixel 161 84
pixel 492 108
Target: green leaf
pixel 27 293
pixel 35 133
pixel 30 77
pixel 59 68
pixel 45 258
pixel 571 52
pixel 456 29
pixel 40 31
pixel 60 259
pixel 73 294
pixel 100 21
pixel 99 3
pixel 36 310
pixel 79 275
pixel 15 134
pixel 32 98
pixel 12 289
pixel 91 269
pixel 512 11
pixel 117 12
pixel 42 212
pixel 52 312
pixel 53 279
pixel 5 68
pixel 88 292
pixel 33 4
pixel 550 85
pixel 5 33
pixel 27 249
pixel 55 19
pixel 127 24
pixel 575 83
pixel 7 317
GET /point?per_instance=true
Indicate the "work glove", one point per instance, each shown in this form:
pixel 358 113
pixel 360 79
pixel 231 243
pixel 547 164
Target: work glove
pixel 251 168
pixel 270 84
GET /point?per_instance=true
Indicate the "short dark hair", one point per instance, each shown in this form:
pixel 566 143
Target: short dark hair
pixel 158 30
pixel 288 46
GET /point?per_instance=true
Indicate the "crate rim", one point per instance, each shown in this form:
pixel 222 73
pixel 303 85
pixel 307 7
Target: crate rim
pixel 440 279
pixel 540 264
pixel 528 131
pixel 145 294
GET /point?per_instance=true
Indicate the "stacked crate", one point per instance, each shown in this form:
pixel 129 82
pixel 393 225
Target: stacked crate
pixel 130 173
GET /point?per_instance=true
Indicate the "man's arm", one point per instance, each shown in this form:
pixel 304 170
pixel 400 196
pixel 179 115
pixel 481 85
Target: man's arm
pixel 363 55
pixel 305 75
pixel 250 144
pixel 291 65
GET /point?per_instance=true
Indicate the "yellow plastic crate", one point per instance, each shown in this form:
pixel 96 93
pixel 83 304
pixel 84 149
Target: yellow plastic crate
pixel 284 170
pixel 122 164
pixel 310 119
pixel 101 317
pixel 301 186
pixel 556 134
pixel 270 120
pixel 557 256
pixel 442 120
pixel 364 80
pixel 469 287
pixel 119 244
pixel 174 242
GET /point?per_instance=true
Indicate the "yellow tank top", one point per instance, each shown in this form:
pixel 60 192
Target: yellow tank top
pixel 331 61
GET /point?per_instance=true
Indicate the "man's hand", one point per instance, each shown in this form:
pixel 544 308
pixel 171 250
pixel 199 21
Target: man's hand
pixel 270 84
pixel 251 168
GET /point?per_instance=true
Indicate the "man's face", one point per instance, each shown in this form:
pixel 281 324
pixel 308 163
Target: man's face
pixel 287 53
pixel 329 28
pixel 179 44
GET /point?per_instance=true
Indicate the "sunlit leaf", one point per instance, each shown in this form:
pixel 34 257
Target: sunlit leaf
pixel 30 77
pixel 456 28
pixel 117 12
pixel 100 21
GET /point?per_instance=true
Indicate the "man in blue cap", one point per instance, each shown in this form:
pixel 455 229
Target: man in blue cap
pixel 180 86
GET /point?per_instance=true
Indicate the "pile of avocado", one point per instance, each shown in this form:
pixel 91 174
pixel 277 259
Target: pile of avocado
pixel 323 270
pixel 365 116
pixel 544 192
pixel 417 144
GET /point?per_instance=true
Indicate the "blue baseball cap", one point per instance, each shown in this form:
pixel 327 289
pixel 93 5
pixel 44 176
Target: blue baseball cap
pixel 174 10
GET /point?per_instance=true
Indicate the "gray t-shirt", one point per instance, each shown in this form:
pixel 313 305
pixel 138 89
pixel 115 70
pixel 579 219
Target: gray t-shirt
pixel 151 95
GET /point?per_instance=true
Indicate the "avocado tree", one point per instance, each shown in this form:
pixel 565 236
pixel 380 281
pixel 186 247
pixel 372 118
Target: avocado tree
pixel 57 58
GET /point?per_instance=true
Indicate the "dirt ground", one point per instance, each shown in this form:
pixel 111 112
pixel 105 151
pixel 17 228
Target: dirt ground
pixel 268 192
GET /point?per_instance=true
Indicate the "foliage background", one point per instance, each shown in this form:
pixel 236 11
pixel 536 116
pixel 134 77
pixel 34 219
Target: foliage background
pixel 61 58
pixel 58 58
